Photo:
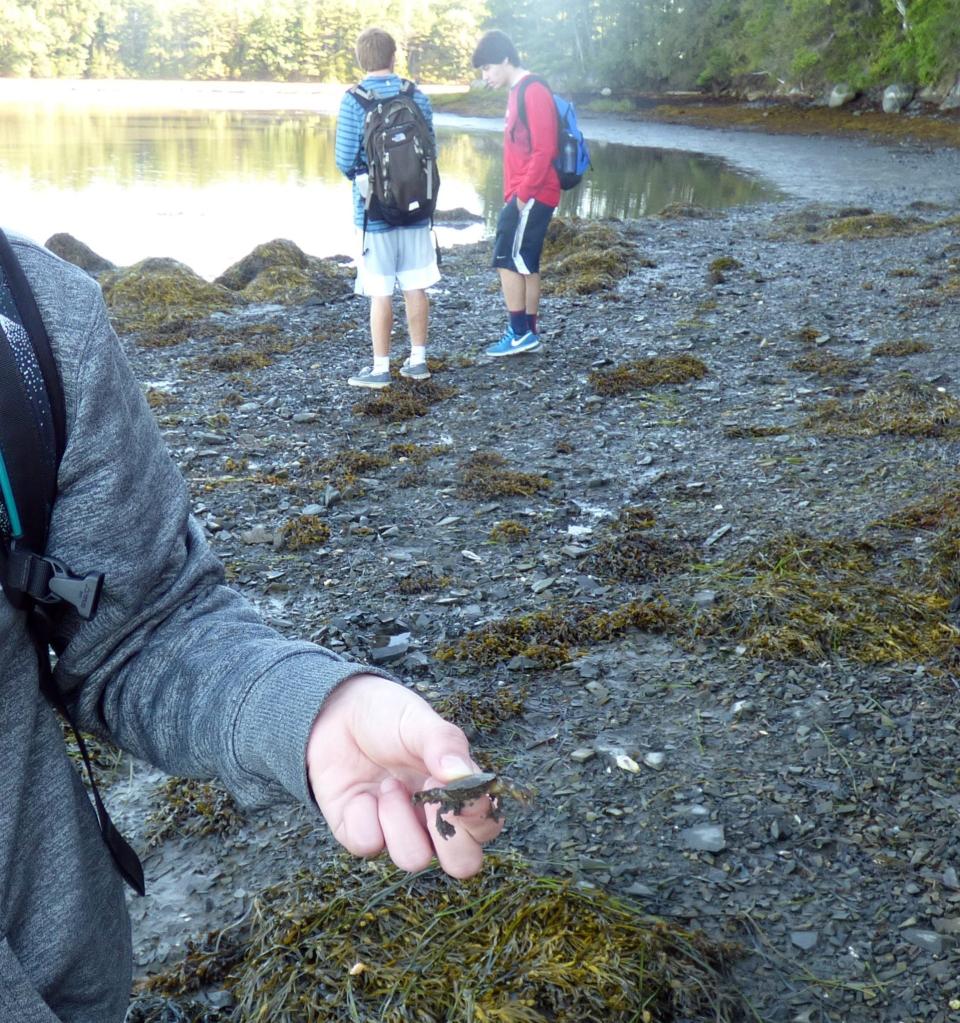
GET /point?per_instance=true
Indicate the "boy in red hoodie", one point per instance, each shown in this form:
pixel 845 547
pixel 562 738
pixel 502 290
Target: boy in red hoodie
pixel 531 189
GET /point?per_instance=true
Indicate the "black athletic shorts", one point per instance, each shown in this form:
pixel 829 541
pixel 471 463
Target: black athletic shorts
pixel 520 235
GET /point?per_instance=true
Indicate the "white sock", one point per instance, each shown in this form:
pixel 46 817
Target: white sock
pixel 418 354
pixel 381 364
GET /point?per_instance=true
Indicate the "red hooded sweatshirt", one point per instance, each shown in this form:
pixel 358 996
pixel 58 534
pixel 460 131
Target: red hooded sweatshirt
pixel 529 150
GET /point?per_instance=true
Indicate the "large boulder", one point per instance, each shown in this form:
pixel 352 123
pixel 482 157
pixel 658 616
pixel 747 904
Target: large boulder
pixel 896 97
pixel 841 94
pixel 281 252
pixel 952 100
pixel 75 251
pixel 281 272
pixel 161 291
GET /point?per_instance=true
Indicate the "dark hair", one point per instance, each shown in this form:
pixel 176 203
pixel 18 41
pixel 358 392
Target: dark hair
pixel 494 47
pixel 375 49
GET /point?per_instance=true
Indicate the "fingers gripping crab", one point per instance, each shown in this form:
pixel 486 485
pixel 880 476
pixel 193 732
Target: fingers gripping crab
pixel 453 797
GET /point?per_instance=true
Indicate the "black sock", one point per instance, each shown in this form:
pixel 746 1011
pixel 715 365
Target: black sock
pixel 518 321
pixel 532 322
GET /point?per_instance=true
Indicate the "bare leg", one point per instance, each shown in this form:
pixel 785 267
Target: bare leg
pixel 418 313
pixel 381 323
pixel 532 294
pixel 514 289
pixel 520 291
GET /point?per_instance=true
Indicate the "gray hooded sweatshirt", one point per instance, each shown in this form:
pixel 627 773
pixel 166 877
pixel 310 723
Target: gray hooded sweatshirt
pixel 176 668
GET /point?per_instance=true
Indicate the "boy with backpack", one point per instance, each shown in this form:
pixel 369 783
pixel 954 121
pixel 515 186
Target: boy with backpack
pixel 173 665
pixel 531 188
pixel 386 147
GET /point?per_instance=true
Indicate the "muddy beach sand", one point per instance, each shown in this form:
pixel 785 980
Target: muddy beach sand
pixel 742 581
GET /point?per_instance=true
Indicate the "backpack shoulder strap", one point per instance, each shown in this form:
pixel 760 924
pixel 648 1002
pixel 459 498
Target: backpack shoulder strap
pixel 525 83
pixel 33 427
pixel 363 96
pixel 32 442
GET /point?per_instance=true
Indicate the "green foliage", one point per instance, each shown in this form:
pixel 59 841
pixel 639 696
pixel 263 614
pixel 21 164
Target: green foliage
pixel 578 44
pixel 276 40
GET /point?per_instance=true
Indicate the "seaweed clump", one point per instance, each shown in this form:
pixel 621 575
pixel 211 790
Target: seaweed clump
pixel 346 466
pixel 404 401
pixel 632 553
pixel 719 267
pixel 304 531
pixel 685 211
pixel 372 943
pixel 872 225
pixel 905 407
pixel 417 454
pixel 585 257
pixel 508 531
pixel 815 598
pixel 158 399
pixel 192 807
pixel 233 362
pixel 825 363
pixel 161 291
pixel 937 519
pixel 549 638
pixel 485 476
pixel 280 271
pixel 643 373
pixel 737 430
pixel 421 582
pixel 901 347
pixel 485 711
pixel 820 223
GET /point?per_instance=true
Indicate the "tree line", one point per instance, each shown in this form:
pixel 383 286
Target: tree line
pixel 624 44
pixel 256 40
pixel 767 45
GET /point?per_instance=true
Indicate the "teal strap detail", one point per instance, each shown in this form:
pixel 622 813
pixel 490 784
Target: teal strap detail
pixel 11 505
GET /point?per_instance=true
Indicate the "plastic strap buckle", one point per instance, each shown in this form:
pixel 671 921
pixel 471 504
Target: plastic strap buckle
pixel 49 581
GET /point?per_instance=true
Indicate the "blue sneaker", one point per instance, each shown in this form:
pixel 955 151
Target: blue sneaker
pixel 514 344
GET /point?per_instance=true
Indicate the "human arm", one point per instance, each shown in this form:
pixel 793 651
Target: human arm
pixel 541 117
pixel 423 103
pixel 178 668
pixel 349 136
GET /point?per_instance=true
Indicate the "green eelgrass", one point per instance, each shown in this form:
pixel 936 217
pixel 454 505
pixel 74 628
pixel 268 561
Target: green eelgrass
pixel 370 943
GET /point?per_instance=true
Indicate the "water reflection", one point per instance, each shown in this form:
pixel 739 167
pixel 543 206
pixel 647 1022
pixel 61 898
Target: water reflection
pixel 207 186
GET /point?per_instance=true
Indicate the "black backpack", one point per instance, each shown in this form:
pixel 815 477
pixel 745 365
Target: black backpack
pixel 32 442
pixel 401 158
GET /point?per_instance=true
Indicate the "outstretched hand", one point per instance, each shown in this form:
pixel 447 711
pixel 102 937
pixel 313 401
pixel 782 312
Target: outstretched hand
pixel 372 746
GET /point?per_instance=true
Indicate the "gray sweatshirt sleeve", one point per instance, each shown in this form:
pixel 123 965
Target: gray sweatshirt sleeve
pixel 176 667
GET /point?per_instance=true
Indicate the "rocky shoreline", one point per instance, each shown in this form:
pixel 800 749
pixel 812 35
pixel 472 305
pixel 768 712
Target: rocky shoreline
pixel 690 570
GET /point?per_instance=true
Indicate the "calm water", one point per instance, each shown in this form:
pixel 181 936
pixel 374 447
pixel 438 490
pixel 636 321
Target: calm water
pixel 207 186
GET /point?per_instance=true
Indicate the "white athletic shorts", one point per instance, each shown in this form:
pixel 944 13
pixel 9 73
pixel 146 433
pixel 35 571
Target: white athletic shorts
pixel 404 256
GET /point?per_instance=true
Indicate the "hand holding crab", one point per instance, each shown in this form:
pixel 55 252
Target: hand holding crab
pixel 373 743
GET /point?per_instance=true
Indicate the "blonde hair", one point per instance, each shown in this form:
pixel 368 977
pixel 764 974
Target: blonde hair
pixel 375 49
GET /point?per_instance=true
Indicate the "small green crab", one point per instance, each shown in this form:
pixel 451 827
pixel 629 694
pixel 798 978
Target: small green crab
pixel 453 797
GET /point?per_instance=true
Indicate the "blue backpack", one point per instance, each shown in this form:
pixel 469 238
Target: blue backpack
pixel 573 154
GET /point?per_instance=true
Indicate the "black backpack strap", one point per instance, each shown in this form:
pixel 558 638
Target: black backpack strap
pixel 124 858
pixel 32 442
pixel 521 99
pixel 31 445
pixel 363 96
